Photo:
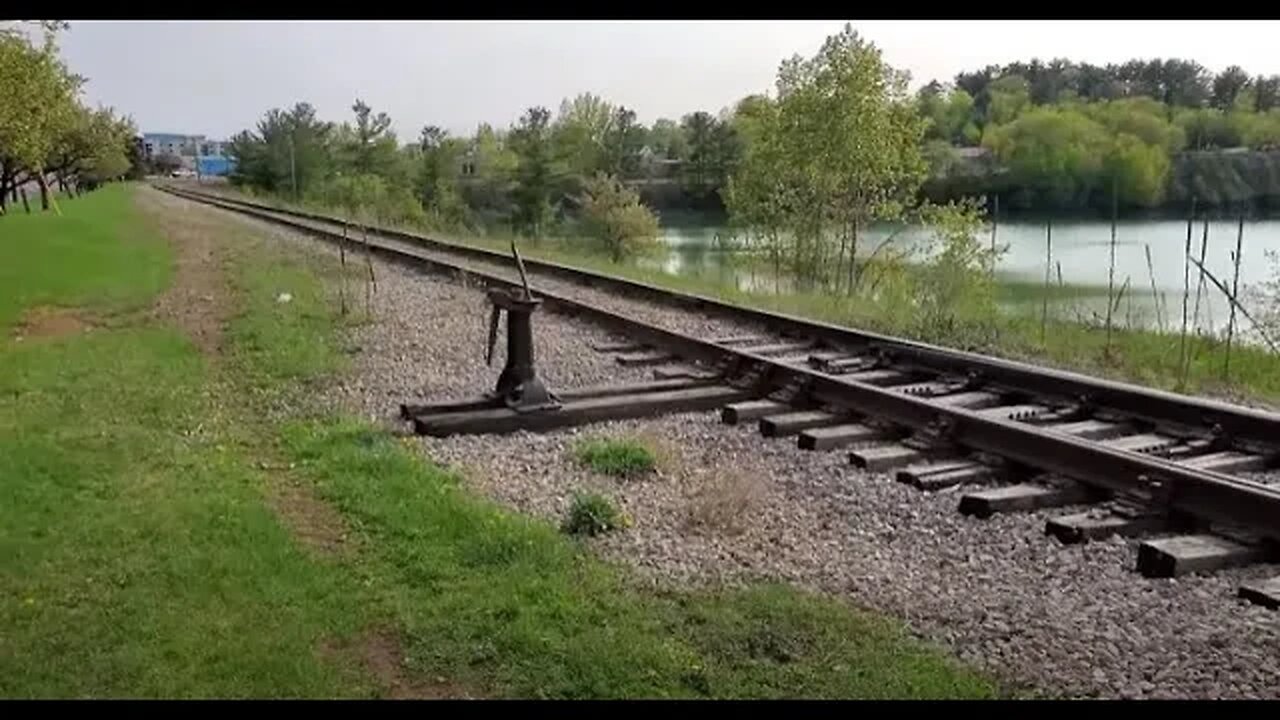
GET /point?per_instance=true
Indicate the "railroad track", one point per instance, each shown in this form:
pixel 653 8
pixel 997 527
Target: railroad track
pixel 1186 472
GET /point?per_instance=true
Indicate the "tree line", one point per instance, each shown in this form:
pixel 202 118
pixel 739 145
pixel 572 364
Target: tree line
pixel 47 135
pixel 527 177
pixel 1067 135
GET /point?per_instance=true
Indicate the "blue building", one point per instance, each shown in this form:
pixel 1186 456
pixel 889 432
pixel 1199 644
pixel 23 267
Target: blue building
pixel 214 166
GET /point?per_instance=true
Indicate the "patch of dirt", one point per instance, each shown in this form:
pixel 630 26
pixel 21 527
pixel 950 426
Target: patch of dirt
pixel 197 300
pixel 314 522
pixel 380 653
pixel 50 322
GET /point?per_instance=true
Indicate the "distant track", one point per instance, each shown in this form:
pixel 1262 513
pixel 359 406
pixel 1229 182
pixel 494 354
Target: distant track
pixel 1148 460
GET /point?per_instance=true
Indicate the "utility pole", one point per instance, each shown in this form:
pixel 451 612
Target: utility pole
pixel 293 170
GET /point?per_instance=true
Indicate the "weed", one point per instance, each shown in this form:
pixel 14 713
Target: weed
pixel 592 514
pixel 616 457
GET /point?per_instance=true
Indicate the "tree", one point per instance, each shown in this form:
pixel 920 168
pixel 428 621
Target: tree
pixel 166 162
pixel 846 147
pixel 1267 93
pixel 437 176
pixel 291 150
pixel 538 174
pixel 1009 96
pixel 580 134
pixel 1055 153
pixel 614 215
pixel 667 140
pixel 712 150
pixel 622 144
pixel 369 147
pixel 1227 86
pixel 759 194
pixel 488 186
pixel 39 107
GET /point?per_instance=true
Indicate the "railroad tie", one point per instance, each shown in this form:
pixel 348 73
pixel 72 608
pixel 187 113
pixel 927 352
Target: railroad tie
pixel 739 339
pixel 1015 412
pixel 777 348
pixel 682 371
pixel 1228 461
pixel 1090 429
pixel 1099 523
pixel 885 457
pixel 793 422
pixel 651 357
pixel 1147 443
pixel 827 438
pixel 927 389
pixel 882 377
pixel 948 473
pixel 1021 498
pixel 969 400
pixel 843 363
pixel 1262 592
pixel 1183 554
pixel 622 346
pixel 749 410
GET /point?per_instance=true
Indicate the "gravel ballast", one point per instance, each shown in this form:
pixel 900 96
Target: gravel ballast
pixel 1072 620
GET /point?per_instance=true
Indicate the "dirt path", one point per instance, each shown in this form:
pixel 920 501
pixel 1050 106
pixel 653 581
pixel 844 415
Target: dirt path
pixel 200 301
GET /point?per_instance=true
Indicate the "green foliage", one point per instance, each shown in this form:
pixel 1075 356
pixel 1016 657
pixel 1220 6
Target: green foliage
pixel 539 173
pixel 809 177
pixel 1008 96
pixel 592 514
pixel 614 215
pixel 370 199
pixel 291 151
pixel 44 129
pixel 1074 157
pixel 619 458
pixel 368 148
pixel 580 134
pixel 955 290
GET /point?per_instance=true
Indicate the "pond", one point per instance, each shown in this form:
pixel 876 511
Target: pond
pixel 1080 253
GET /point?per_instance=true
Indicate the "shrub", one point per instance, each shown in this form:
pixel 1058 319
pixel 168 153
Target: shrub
pixel 592 514
pixel 613 215
pixel 619 458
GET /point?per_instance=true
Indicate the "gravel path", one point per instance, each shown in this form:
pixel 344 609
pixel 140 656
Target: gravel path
pixel 728 506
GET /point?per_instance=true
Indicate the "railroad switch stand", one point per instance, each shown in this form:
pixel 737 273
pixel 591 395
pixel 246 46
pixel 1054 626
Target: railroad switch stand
pixel 518 386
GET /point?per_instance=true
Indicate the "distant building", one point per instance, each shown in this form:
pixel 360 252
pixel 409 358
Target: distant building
pixel 196 153
pixel 213 147
pixel 214 166
pixel 154 144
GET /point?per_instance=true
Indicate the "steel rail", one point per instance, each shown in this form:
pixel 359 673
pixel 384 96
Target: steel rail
pixel 1210 496
pixel 1237 424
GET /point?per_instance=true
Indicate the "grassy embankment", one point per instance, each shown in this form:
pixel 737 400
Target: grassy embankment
pixel 1135 355
pixel 179 522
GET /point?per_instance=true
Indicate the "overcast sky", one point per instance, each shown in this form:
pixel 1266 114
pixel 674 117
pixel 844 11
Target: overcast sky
pixel 216 78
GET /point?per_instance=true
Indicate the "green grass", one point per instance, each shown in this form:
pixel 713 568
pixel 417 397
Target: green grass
pixel 492 599
pixel 1135 355
pixel 592 514
pixel 81 258
pixel 139 556
pixel 618 457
